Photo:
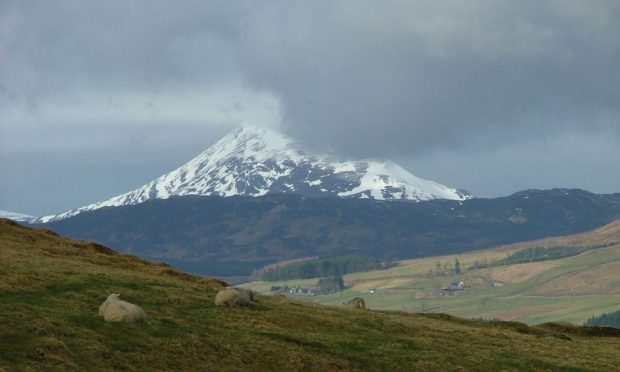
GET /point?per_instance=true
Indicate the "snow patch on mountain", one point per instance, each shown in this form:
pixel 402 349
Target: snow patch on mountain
pixel 16 216
pixel 257 161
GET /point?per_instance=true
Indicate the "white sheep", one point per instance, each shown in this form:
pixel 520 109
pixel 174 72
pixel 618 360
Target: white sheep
pixel 234 297
pixel 116 310
pixel 355 303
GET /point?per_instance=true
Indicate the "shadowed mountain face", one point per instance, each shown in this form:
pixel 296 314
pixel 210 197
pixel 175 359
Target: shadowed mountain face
pixel 233 235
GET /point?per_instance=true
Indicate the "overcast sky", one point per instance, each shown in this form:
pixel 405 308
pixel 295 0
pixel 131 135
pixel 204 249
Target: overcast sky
pixel 100 97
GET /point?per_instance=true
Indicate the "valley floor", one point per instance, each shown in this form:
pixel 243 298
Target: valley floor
pixel 567 290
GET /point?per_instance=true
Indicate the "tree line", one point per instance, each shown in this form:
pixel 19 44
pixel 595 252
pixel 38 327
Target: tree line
pixel 605 320
pixel 324 267
pixel 536 254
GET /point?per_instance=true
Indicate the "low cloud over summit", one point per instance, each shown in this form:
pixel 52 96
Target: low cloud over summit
pixel 442 87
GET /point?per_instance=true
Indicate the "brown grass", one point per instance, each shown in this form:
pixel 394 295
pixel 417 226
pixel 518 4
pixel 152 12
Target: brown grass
pixel 519 273
pixel 598 279
pixel 520 313
pixel 607 234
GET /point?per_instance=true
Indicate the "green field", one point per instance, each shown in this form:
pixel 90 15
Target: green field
pixel 569 290
pixel 51 287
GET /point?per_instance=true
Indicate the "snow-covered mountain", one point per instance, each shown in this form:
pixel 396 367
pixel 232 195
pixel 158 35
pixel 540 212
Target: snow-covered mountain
pixel 16 216
pixel 256 161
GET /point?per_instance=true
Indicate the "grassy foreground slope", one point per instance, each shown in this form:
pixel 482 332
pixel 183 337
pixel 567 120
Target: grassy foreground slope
pixel 571 289
pixel 51 287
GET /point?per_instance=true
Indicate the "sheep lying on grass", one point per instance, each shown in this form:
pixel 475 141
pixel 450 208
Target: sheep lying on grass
pixel 116 310
pixel 235 297
pixel 355 303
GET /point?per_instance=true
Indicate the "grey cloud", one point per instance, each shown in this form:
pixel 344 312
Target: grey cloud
pixel 49 47
pixel 424 82
pixel 570 160
pixel 417 75
pixel 412 74
pixel 82 170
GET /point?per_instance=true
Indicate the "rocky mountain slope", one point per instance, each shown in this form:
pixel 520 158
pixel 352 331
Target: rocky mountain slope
pixel 255 161
pixel 51 287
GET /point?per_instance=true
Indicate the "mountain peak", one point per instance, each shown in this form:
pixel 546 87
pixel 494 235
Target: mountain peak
pixel 250 139
pixel 254 161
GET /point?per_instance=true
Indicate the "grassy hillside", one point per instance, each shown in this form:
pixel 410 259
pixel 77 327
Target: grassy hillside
pixel 51 287
pixel 570 289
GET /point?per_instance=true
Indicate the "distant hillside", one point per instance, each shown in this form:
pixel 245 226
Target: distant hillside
pixel 51 287
pixel 606 234
pixel 322 267
pixel 234 235
pixel 568 279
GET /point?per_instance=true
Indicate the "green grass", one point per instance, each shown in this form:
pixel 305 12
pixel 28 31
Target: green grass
pixel 50 290
pixel 532 300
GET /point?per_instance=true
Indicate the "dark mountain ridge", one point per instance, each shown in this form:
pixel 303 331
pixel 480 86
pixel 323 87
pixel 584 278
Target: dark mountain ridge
pixel 231 235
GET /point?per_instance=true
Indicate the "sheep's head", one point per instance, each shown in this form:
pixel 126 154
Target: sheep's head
pixel 114 296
